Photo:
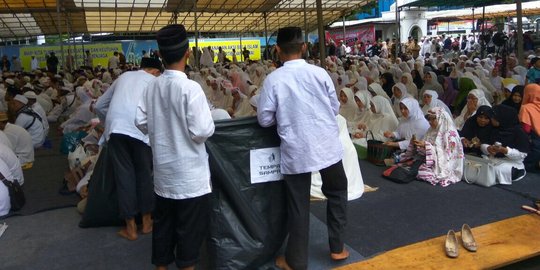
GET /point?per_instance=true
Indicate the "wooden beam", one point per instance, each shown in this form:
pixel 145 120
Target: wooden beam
pixel 499 244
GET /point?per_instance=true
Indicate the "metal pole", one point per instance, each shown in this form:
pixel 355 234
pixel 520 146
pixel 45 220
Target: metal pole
pixel 398 37
pixel 266 49
pixel 344 31
pixel 322 48
pixel 63 62
pixel 483 33
pixel 519 14
pixel 196 53
pixel 305 23
pixel 75 51
pixel 241 49
pixel 473 25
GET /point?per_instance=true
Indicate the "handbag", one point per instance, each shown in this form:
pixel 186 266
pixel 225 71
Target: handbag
pixel 16 194
pixel 377 151
pixel 480 171
pixel 403 172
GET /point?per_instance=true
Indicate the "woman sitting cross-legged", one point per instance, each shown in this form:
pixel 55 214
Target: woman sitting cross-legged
pixel 412 123
pixel 477 131
pixel 441 150
pixel 510 147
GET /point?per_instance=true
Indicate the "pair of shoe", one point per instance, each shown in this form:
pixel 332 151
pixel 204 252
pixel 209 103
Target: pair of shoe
pixel 467 238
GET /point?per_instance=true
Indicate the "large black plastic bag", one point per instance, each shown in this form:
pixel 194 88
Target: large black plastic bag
pixel 248 222
pixel 102 206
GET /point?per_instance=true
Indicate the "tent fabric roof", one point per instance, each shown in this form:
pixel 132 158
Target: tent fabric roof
pixel 456 3
pixel 26 18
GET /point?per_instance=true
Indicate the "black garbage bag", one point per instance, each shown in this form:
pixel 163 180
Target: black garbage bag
pixel 102 205
pixel 248 222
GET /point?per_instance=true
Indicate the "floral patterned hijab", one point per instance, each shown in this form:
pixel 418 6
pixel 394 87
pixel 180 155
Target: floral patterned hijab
pixel 447 150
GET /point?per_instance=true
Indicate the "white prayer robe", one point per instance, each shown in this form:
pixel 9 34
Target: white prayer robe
pixel 21 141
pixel 305 117
pixel 12 162
pixel 118 105
pixel 173 111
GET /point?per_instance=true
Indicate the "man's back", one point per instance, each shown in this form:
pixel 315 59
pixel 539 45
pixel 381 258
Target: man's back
pixel 178 123
pixel 120 109
pixel 302 100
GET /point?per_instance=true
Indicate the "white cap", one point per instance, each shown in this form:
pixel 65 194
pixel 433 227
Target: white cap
pixel 30 95
pixel 22 99
pixel 10 81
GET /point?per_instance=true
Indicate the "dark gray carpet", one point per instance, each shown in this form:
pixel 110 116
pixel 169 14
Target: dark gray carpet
pixel 44 179
pixel 52 240
pixel 397 214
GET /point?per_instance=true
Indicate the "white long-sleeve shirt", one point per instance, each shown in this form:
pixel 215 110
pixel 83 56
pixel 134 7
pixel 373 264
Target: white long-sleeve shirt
pixel 301 99
pixel 21 141
pixel 5 204
pixel 118 105
pixel 36 129
pixel 173 111
pixel 12 162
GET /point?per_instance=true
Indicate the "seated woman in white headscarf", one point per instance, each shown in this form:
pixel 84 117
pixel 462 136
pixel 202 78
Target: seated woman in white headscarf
pixel 381 119
pixel 431 100
pixel 399 91
pixel 378 90
pixel 215 95
pixel 411 123
pixel 259 76
pixel 487 93
pixel 355 183
pixel 240 105
pixel 362 99
pixel 475 99
pixel 431 83
pixel 441 151
pixel 348 108
pixel 360 84
pixel 407 80
pixel 342 81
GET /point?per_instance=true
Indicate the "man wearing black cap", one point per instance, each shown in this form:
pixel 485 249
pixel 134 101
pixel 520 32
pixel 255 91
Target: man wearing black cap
pixel 301 99
pixel 174 113
pixel 129 150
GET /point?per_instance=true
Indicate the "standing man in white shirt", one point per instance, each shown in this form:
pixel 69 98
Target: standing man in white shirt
pixel 129 150
pixel 174 113
pixel 34 63
pixel 114 61
pixel 301 100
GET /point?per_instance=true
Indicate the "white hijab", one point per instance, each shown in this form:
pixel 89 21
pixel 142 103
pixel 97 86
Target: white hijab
pixel 382 120
pixel 435 102
pixel 349 110
pixel 462 118
pixel 414 124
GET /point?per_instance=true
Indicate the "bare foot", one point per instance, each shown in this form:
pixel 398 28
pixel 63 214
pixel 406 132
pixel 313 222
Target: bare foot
pixel 146 229
pixel 281 263
pixel 340 256
pixel 129 236
pixel 147 224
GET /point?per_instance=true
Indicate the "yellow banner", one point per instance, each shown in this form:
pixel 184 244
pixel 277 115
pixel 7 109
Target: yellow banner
pixel 252 45
pixel 99 52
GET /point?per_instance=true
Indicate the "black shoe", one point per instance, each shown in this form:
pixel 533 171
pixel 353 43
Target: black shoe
pixel 517 173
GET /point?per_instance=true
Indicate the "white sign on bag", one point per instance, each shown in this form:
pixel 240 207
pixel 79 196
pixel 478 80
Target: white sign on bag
pixel 265 165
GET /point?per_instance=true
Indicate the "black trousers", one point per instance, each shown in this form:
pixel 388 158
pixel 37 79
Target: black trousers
pixel 298 186
pixel 179 225
pixel 132 164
